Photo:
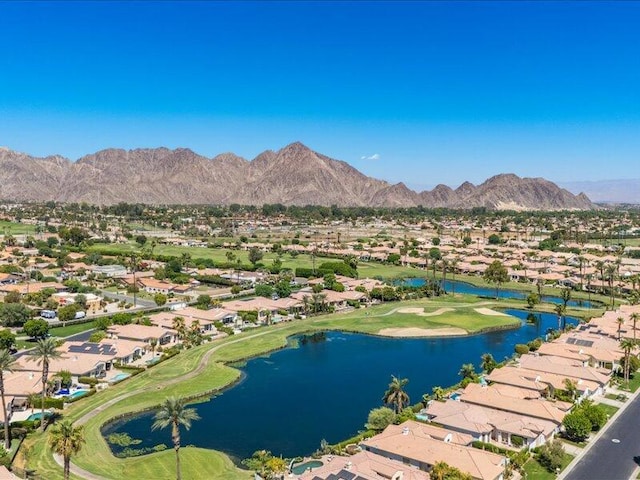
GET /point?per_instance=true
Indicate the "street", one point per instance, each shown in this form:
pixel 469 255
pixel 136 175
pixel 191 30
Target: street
pixel 612 455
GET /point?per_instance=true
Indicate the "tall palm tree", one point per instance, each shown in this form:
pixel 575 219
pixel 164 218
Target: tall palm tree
pixel 45 350
pixel 560 311
pixel 66 440
pixel 396 395
pixel 634 318
pixel 627 346
pixel 7 362
pixel 610 271
pixel 173 413
pixel 620 321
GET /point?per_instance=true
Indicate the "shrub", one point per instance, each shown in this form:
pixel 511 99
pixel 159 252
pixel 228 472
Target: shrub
pixel 521 349
pixel 380 418
pixel 91 381
pixel 550 455
pixel 577 426
pixel 517 441
pixel 304 272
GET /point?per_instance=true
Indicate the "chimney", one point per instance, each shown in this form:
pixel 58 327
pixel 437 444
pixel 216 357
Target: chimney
pixel 405 430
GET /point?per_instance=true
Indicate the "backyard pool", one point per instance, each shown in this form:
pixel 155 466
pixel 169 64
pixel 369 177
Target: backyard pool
pixel 303 467
pixel 119 377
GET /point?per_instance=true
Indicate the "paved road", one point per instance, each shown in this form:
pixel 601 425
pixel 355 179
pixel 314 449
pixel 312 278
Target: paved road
pixel 608 460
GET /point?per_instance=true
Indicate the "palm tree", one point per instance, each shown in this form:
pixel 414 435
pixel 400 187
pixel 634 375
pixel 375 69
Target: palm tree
pixel 396 395
pixel 45 350
pixel 7 362
pixel 66 440
pixel 560 311
pixel 173 413
pixel 620 321
pixel 634 318
pixel 627 346
pixel 610 271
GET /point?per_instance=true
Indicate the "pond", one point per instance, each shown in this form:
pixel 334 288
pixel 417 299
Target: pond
pixel 323 387
pixel 468 288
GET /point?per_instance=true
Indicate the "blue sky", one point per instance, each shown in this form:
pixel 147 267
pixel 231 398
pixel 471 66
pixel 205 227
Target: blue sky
pixel 423 93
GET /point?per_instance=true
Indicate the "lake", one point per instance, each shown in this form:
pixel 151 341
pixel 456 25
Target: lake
pixel 468 288
pixel 323 386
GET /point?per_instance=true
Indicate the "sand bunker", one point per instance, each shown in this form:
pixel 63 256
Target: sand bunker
pixel 421 312
pixel 488 311
pixel 422 332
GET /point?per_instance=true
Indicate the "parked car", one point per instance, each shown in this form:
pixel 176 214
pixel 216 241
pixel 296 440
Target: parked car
pixel 80 314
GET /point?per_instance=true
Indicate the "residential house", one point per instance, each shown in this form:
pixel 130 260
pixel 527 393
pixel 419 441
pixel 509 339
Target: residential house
pixel 407 443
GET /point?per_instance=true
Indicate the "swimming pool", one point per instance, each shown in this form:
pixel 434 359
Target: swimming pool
pixel 78 393
pixel 303 467
pixel 120 376
pixel 38 416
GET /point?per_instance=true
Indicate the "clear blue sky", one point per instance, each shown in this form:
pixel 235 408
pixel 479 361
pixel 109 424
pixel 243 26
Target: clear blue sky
pixel 424 93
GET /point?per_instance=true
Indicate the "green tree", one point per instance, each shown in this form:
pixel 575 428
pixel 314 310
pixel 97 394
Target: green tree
pixel 467 370
pixel 173 414
pixel 444 471
pixel 68 312
pixel 577 426
pixel 264 290
pixel 551 455
pixel 532 300
pixel 395 394
pixel 438 392
pixel 45 350
pixel 627 345
pixel 36 328
pixel 488 363
pixel 7 339
pixel 14 314
pixel 204 302
pixel 380 418
pixel 497 274
pixel 7 364
pixel 66 440
pixel 255 255
pixel 266 465
pixel 160 299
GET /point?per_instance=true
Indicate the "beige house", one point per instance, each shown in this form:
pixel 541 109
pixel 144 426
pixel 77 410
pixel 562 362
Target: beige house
pixel 409 444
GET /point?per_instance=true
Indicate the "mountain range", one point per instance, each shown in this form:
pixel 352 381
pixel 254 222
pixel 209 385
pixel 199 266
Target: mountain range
pixel 608 191
pixel 293 175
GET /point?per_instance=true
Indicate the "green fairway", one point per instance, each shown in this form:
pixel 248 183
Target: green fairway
pixel 14 228
pixel 71 329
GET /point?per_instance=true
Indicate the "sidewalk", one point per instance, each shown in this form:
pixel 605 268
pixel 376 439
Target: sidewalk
pixel 623 406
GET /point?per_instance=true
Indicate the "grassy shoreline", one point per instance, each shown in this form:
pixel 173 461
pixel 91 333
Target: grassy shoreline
pixel 143 390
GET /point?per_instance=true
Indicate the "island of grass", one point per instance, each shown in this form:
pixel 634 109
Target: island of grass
pixel 203 370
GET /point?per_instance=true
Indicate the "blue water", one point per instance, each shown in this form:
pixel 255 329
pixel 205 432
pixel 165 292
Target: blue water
pixel 120 376
pixel 303 467
pixel 464 287
pixel 325 388
pixel 78 393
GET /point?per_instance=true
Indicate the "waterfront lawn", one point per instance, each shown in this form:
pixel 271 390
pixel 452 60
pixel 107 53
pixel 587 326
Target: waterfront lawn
pixel 535 471
pixel 376 318
pixel 186 376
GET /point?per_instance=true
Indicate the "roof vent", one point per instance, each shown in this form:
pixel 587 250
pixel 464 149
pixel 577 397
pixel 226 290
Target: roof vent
pixel 405 430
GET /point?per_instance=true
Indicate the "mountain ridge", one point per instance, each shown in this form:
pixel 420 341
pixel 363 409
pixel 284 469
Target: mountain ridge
pixel 293 175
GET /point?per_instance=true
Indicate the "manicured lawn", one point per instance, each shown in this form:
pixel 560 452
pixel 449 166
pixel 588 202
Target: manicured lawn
pixel 634 383
pixel 14 228
pixel 71 329
pixel 609 409
pixel 535 471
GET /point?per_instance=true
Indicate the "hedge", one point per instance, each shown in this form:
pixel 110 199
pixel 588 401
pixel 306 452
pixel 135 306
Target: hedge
pixel 49 403
pixel 91 381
